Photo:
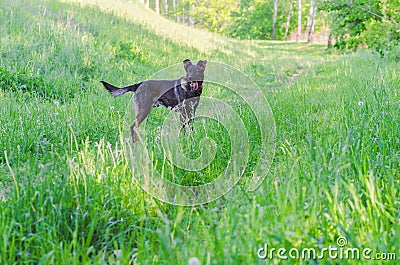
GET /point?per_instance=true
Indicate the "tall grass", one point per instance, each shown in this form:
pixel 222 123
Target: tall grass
pixel 66 191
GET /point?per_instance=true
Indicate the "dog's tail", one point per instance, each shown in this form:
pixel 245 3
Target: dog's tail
pixel 116 91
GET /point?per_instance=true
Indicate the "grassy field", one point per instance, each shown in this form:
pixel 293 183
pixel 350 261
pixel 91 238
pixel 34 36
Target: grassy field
pixel 66 191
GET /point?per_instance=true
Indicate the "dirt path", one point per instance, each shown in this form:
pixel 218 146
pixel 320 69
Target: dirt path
pixel 294 77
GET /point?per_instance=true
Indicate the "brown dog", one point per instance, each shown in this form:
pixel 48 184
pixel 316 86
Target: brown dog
pixel 181 95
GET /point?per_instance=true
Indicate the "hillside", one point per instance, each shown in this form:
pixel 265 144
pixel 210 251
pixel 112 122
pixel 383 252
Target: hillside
pixel 66 189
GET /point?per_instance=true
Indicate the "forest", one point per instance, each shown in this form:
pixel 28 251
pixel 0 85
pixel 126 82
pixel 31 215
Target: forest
pixel 345 24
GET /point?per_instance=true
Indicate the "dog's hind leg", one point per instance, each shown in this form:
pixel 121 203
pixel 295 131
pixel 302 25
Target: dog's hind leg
pixel 142 111
pixel 134 133
pixel 135 126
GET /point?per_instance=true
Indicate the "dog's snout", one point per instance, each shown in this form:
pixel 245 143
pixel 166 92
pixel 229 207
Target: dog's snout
pixel 191 77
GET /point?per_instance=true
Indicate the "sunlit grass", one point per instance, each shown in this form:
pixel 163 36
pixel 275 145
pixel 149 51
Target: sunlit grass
pixel 66 190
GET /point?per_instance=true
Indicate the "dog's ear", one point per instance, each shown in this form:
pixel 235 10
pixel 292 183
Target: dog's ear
pixel 202 64
pixel 186 64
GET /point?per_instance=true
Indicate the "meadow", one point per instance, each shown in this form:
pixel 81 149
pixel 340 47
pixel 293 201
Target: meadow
pixel 66 189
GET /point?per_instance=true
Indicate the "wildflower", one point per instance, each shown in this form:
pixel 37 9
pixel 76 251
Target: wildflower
pixel 194 261
pixel 276 181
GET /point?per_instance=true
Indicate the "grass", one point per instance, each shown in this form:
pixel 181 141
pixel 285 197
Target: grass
pixel 66 190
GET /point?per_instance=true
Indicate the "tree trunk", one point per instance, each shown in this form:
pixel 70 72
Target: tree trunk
pixel 329 41
pixel 190 15
pixel 183 18
pixel 166 8
pixel 274 19
pixel 174 4
pixel 147 3
pixel 299 21
pixel 288 21
pixel 311 19
pixel 158 7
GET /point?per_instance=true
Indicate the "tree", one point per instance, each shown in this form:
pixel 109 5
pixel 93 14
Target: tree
pixel 369 23
pixel 166 14
pixel 174 4
pixel 274 19
pixel 214 15
pixel 311 19
pixel 288 21
pixel 298 20
pixel 252 20
pixel 158 6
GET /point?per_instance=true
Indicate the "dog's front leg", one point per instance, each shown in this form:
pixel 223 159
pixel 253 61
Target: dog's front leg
pixel 187 115
pixel 185 120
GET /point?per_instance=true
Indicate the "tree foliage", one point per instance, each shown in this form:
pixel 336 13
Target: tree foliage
pixel 214 15
pixel 253 19
pixel 371 23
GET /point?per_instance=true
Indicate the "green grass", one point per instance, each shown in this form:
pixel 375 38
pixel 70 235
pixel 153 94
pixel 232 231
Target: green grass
pixel 66 191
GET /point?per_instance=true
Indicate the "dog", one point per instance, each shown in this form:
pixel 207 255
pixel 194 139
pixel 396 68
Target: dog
pixel 181 95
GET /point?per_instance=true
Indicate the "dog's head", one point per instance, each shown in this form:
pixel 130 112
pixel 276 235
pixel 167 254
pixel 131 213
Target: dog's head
pixel 194 73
